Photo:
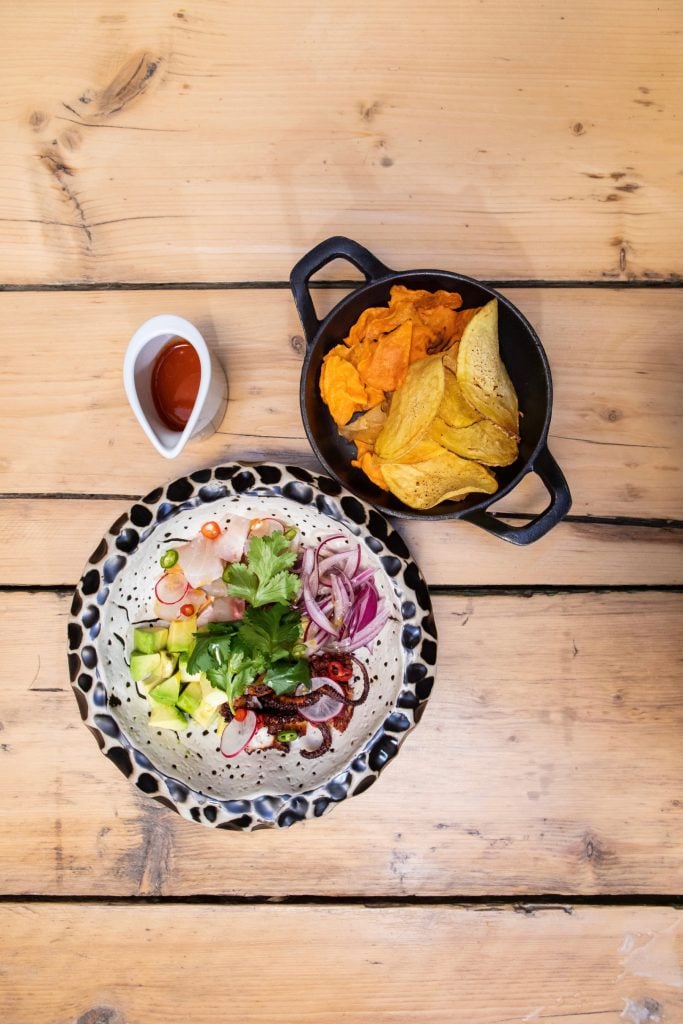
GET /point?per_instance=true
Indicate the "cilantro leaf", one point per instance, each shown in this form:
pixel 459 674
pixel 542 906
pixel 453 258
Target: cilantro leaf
pixel 243 582
pixel 285 676
pixel 265 578
pixel 237 671
pixel 272 631
pixel 270 555
pixel 282 588
pixel 211 649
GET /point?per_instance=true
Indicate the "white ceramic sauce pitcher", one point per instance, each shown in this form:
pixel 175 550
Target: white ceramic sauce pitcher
pixel 212 397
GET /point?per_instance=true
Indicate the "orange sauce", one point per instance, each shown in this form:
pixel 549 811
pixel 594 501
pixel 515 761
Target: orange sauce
pixel 175 383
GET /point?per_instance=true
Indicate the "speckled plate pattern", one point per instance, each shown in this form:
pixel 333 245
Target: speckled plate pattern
pixel 187 773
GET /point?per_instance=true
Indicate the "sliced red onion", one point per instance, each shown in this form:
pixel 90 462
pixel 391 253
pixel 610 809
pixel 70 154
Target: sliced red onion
pixel 171 588
pixel 327 707
pixel 337 614
pixel 338 561
pixel 363 577
pixel 365 636
pixel 315 613
pixel 370 605
pixel 328 540
pixel 236 735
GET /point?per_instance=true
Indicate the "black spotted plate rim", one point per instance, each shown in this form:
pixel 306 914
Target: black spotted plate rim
pixel 328 497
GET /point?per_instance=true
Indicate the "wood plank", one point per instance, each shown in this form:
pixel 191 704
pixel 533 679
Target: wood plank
pixel 575 553
pixel 478 965
pixel 220 141
pixel 616 358
pixel 549 760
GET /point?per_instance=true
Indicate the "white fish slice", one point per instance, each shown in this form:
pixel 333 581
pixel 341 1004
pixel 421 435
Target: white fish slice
pixel 230 544
pixel 221 609
pixel 200 561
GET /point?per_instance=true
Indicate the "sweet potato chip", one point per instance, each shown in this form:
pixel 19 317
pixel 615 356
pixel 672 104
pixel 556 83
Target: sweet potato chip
pixel 425 484
pixel 390 359
pixel 483 441
pixel 373 323
pixel 454 409
pixel 339 350
pixel 342 389
pixel 372 468
pixel 442 324
pixel 367 427
pixel 361 356
pixel 422 339
pixel 481 374
pixel 413 407
pixel 424 300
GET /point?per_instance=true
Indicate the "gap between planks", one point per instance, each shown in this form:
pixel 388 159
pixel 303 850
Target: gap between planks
pixel 136 286
pixel 525 903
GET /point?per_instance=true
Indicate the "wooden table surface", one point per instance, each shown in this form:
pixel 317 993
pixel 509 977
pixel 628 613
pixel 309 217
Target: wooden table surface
pixel 522 860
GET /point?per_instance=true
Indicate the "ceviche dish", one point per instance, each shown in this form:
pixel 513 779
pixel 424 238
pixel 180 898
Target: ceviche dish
pixel 254 634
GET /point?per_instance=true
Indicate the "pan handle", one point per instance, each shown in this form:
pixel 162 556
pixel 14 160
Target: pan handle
pixel 560 503
pixel 319 256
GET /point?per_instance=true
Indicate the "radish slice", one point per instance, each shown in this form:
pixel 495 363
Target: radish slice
pixel 265 526
pixel 327 707
pixel 236 735
pixel 171 587
pixel 168 612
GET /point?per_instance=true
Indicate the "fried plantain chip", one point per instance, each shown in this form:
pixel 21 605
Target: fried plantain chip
pixel 481 374
pixel 390 359
pixel 454 409
pixel 483 441
pixel 424 484
pixel 366 427
pixel 413 407
pixel 426 448
pixel 342 389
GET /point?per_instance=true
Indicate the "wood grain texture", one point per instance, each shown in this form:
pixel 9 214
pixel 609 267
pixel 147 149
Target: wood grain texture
pixel 449 554
pixel 122 964
pixel 616 358
pixel 221 141
pixel 548 761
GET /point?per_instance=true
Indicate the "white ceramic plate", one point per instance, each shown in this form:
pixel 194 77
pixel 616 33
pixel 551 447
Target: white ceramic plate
pixel 186 771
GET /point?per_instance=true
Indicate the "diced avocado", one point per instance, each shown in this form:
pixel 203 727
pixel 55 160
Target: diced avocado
pixel 206 686
pixel 185 676
pixel 166 669
pixel 208 709
pixel 191 697
pixel 164 716
pixel 167 692
pixel 143 665
pixel 150 639
pixel 181 634
pixel 168 663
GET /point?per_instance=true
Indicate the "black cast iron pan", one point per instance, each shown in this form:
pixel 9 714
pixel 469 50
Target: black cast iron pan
pixel 522 354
